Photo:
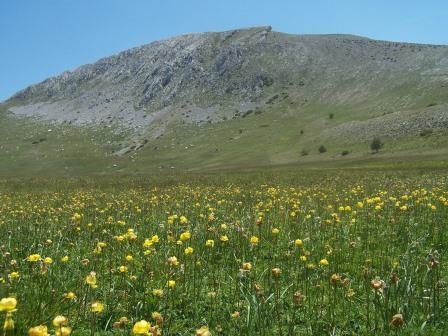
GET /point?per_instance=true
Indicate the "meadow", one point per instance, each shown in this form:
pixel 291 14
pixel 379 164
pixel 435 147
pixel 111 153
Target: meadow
pixel 274 253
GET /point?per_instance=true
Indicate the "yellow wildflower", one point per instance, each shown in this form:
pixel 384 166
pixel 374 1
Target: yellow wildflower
pixel 141 328
pixel 59 321
pixel 185 236
pixel 254 240
pixel 8 304
pixel 97 307
pixel 324 262
pixel 34 258
pixel 91 280
pixel 40 330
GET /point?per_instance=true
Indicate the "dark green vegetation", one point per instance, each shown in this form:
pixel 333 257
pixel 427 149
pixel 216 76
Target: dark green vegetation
pixel 335 253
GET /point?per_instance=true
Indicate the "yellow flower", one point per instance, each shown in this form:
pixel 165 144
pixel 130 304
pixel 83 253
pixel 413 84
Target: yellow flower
pixel 91 280
pixel 171 283
pixel 69 295
pixel 276 271
pixel 203 331
pixel 155 239
pixel 34 258
pixel 157 292
pixel 275 231
pixel 59 321
pixel 38 331
pixel 122 269
pixel 97 307
pixel 8 304
pixel 298 242
pixel 189 250
pixel 183 220
pixel 224 238
pixel 172 261
pixel 63 331
pixel 141 328
pixel 210 243
pixel 254 240
pixel 335 278
pixel 302 258
pixel 247 266
pixel 76 217
pixel 14 275
pixel 148 243
pixel 324 262
pixel 48 260
pixel 185 236
pixel 129 258
pixel 64 259
pixel 9 323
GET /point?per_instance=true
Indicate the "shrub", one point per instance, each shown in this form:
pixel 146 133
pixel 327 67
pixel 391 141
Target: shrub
pixel 376 145
pixel 322 149
pixel 345 152
pixel 304 152
pixel 426 132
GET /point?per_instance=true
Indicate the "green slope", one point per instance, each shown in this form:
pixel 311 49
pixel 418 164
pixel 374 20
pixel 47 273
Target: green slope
pixel 268 138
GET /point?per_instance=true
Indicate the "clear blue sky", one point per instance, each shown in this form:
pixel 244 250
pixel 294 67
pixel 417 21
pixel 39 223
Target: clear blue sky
pixel 41 38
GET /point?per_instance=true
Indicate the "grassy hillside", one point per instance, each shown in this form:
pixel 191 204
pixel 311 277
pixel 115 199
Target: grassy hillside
pixel 267 139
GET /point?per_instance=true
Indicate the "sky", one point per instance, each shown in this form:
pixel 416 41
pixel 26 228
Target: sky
pixel 42 38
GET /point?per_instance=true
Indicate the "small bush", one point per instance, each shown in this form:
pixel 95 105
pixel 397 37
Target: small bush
pixel 304 152
pixel 322 149
pixel 376 145
pixel 331 115
pixel 345 152
pixel 426 132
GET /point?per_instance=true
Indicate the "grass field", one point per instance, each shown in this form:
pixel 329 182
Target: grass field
pixel 268 253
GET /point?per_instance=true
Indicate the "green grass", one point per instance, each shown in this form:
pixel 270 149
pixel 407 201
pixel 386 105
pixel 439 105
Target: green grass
pixel 269 139
pixel 368 224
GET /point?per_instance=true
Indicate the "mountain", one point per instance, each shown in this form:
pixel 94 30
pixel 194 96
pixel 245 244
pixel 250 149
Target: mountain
pixel 236 99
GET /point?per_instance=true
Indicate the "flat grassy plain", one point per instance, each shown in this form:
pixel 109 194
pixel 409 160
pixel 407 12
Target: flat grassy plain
pixel 273 252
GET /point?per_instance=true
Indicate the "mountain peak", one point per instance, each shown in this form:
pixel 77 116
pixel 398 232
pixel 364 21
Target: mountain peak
pixel 219 95
pixel 218 73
